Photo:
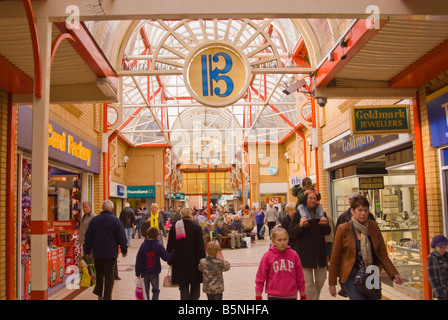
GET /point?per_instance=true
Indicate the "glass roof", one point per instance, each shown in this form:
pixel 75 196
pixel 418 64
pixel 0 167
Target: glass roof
pixel 157 108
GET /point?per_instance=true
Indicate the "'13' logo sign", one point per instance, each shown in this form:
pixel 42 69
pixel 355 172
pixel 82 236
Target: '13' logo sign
pixel 211 75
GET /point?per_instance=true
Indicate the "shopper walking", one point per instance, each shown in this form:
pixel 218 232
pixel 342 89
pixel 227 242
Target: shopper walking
pixel 290 210
pixel 212 268
pixel 138 223
pixel 147 263
pixel 103 237
pixel 280 270
pixel 127 218
pixel 85 221
pixel 260 219
pixel 437 267
pixel 308 237
pixel 155 220
pixel 185 240
pixel 345 258
pixel 271 216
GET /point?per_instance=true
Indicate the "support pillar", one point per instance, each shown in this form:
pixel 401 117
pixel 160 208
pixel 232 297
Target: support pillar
pixel 39 162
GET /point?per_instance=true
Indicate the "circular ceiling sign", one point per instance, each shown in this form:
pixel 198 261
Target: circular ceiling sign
pixel 216 74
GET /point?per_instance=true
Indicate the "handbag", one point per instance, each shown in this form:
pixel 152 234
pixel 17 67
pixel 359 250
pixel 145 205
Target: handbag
pixel 362 275
pixel 168 280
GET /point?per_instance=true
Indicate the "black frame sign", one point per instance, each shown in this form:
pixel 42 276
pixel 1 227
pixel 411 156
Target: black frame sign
pixel 366 183
pixel 379 119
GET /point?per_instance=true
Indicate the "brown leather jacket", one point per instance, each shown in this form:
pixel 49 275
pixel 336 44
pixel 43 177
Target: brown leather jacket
pixel 343 256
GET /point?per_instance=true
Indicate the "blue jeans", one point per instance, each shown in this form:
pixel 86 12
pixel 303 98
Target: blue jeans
pixel 152 279
pixel 352 292
pixel 318 215
pixel 128 232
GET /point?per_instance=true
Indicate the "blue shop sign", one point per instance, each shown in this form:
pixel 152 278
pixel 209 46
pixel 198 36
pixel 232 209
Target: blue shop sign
pixel 437 104
pixel 63 145
pixel 120 190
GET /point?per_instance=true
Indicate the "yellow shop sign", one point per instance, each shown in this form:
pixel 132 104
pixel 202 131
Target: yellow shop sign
pixel 65 142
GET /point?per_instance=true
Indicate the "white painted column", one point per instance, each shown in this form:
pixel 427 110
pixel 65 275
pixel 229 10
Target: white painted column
pixel 39 162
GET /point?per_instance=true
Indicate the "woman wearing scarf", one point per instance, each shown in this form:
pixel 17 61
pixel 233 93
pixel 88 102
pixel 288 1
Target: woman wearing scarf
pixel 185 240
pixel 344 259
pixel 155 220
pixel 308 237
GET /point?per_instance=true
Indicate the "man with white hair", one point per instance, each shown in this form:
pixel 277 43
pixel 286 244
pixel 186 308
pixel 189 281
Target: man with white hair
pixel 103 237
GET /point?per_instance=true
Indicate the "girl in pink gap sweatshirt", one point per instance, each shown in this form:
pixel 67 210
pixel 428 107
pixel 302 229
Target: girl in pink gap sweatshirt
pixel 280 270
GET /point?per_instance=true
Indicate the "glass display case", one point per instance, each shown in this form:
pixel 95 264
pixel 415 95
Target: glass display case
pixel 394 206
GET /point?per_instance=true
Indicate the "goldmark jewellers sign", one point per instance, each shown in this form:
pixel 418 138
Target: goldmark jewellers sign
pixel 379 119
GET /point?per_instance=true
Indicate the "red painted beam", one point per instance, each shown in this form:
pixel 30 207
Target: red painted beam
pixel 57 41
pixel 357 38
pixel 272 107
pixel 426 68
pixel 10 199
pixel 149 145
pixel 36 50
pixel 124 124
pixel 422 196
pixel 14 80
pixel 299 53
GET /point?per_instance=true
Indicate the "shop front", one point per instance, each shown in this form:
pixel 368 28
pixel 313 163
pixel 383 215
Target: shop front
pixel 141 196
pixel 382 168
pixel 437 104
pixel 275 192
pixel 73 162
pixel 118 194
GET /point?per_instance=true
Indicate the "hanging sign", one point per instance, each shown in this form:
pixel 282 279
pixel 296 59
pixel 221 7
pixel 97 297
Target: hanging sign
pixel 379 119
pixel 63 145
pixel 437 104
pixel 141 191
pixel 216 74
pixel 366 183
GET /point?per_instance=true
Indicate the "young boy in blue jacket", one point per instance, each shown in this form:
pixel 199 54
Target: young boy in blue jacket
pixel 147 263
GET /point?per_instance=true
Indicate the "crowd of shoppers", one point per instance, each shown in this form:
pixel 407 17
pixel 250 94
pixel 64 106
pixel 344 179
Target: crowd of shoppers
pixel 305 246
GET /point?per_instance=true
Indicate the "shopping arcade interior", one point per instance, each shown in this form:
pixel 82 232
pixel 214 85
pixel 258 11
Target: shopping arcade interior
pixel 432 30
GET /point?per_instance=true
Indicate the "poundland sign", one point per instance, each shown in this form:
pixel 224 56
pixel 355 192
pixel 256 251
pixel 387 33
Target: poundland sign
pixel 141 191
pixel 379 119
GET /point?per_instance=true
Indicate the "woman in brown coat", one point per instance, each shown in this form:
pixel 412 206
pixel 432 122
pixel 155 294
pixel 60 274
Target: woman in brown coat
pixel 344 258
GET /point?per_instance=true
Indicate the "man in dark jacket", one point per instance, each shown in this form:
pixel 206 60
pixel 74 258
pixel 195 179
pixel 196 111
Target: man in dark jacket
pixel 309 243
pixel 187 254
pixel 127 218
pixel 104 235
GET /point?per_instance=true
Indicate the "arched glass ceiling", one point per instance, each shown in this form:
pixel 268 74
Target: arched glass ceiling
pixel 158 109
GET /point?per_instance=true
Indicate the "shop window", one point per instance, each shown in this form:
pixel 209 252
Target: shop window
pixel 394 207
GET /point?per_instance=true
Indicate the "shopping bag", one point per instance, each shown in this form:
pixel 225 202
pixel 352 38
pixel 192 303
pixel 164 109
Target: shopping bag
pixel 88 275
pixel 168 280
pixel 92 273
pixel 85 277
pixel 248 242
pixel 140 292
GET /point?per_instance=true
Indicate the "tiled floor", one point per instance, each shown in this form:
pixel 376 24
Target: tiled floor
pixel 239 280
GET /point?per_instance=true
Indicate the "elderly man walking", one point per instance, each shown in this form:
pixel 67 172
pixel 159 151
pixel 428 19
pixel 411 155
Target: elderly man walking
pixel 103 237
